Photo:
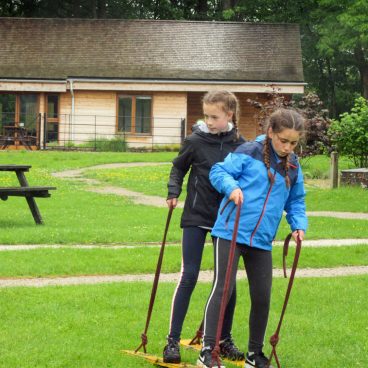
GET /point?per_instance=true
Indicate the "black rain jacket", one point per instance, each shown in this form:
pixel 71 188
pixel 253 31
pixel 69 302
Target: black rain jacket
pixel 199 152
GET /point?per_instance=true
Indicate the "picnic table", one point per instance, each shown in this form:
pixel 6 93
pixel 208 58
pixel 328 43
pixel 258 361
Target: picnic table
pixel 24 190
pixel 17 136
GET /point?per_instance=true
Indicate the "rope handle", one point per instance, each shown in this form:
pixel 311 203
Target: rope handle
pixel 144 338
pixel 216 350
pixel 275 337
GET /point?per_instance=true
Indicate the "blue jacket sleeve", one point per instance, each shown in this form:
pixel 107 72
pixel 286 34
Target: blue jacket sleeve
pixel 295 205
pixel 223 175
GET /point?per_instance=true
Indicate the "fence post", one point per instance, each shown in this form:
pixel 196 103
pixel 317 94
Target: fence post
pixel 182 131
pixel 334 170
pixel 44 119
pixel 95 132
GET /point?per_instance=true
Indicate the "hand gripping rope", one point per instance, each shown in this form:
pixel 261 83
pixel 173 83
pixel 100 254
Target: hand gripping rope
pixel 155 284
pixel 275 337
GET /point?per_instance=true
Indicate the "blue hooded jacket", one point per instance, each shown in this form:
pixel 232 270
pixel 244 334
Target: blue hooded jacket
pixel 264 202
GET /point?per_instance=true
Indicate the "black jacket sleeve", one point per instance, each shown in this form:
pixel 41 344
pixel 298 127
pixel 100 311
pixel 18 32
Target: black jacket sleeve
pixel 181 165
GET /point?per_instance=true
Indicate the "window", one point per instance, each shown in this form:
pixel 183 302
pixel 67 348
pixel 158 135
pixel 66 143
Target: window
pixel 28 113
pixel 134 114
pixel 7 109
pixel 52 127
pixel 52 106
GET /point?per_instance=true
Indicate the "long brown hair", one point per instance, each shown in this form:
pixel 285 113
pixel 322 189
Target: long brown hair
pixel 229 103
pixel 279 120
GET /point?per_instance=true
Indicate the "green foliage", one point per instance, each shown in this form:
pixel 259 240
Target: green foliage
pixel 350 134
pixel 310 107
pixel 116 144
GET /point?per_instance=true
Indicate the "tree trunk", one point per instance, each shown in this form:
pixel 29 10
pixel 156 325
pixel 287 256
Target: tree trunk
pixel 331 89
pixel 101 9
pixel 201 9
pixel 229 4
pixel 362 65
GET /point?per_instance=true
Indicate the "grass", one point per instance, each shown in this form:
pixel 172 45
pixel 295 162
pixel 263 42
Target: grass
pixel 87 326
pixel 352 199
pixel 67 214
pixel 318 167
pixel 141 260
pixel 68 220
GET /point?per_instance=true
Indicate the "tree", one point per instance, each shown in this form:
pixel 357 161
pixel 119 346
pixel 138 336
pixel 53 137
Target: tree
pixel 334 75
pixel 350 135
pixel 316 140
pixel 343 29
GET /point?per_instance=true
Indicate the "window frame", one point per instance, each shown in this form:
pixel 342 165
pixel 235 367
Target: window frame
pixel 134 97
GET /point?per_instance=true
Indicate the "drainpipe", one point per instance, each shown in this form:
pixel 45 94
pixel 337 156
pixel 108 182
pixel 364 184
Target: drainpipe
pixel 71 134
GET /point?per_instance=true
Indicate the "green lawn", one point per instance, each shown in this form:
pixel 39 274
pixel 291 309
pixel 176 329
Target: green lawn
pixel 140 260
pixel 87 326
pixel 67 214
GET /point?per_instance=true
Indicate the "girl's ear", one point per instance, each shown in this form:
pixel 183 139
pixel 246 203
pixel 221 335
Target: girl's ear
pixel 230 115
pixel 269 133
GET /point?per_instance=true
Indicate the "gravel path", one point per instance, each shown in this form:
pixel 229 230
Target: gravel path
pixel 204 276
pixel 143 199
pixel 306 243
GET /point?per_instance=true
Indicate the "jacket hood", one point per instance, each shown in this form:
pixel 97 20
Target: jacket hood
pixel 200 128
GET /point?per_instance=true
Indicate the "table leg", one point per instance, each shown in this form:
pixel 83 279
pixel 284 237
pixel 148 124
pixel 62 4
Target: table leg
pixel 30 200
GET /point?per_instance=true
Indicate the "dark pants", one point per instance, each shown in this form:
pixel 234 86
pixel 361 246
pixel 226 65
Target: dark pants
pixel 258 266
pixel 192 250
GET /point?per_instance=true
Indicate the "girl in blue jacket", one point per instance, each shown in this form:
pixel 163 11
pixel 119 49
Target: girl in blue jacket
pixel 265 177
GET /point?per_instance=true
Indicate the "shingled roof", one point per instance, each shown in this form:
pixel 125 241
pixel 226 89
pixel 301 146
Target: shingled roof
pixel 148 49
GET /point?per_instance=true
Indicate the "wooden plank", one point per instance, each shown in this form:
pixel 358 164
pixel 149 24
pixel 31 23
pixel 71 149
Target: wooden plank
pixel 25 189
pixel 157 360
pixel 15 167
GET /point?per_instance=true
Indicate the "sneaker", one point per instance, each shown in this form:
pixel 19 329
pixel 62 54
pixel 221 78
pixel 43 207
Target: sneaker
pixel 256 360
pixel 205 359
pixel 172 351
pixel 229 350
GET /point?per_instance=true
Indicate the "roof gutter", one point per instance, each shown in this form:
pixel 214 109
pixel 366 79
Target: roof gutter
pixel 187 81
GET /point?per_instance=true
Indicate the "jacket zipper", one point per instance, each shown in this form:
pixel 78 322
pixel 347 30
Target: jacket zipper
pixel 263 210
pixel 195 195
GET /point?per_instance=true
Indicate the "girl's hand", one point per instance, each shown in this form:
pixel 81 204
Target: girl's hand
pixel 172 202
pixel 236 196
pixel 297 233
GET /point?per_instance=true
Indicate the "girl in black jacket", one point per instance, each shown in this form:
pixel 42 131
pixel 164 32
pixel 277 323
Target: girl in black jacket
pixel 209 143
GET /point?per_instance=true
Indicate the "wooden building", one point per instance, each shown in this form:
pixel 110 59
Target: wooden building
pixel 67 79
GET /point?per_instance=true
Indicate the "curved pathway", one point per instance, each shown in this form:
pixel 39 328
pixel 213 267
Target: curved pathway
pixel 205 276
pixel 140 198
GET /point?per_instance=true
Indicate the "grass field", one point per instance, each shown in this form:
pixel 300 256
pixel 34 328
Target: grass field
pixel 88 325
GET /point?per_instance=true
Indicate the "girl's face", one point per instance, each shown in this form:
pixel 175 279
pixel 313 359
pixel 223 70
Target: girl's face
pixel 285 141
pixel 216 118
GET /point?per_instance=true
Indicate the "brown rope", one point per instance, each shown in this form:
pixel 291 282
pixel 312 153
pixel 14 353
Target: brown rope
pixel 275 337
pixel 155 284
pixel 196 340
pixel 216 350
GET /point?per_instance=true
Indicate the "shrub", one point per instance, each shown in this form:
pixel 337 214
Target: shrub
pixel 350 135
pixel 116 144
pixel 316 140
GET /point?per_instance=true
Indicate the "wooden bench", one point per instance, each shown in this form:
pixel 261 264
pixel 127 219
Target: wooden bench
pixel 25 190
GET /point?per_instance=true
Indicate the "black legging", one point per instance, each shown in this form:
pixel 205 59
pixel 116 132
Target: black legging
pixel 192 250
pixel 258 266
